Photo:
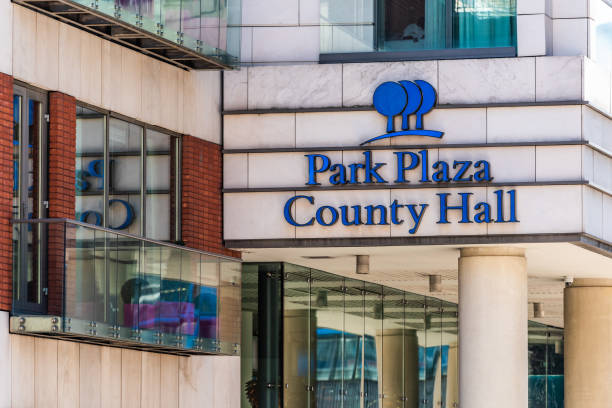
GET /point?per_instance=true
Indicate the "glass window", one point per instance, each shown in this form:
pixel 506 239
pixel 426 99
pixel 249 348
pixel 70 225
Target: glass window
pixel 416 25
pixel 139 195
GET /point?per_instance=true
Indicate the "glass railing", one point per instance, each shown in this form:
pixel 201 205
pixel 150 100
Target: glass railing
pixel 115 287
pixel 208 27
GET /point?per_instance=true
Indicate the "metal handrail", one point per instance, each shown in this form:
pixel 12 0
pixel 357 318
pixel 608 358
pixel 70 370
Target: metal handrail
pixel 112 231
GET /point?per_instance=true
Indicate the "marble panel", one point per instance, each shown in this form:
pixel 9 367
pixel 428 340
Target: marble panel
pixel 151 381
pixel 558 79
pixel 111 76
pixel 23 369
pixel 389 171
pixel 256 216
pixel 333 129
pixel 91 69
pixel 68 376
pixel 235 89
pixel 131 378
pixel 270 12
pixel 189 111
pixel 541 209
pixel 305 211
pixel 70 60
pixel 169 83
pixel 597 86
pixel 208 105
pixel 596 128
pixel 285 169
pixel 310 12
pixel 463 125
pixel 295 86
pixel 587 163
pixel 569 8
pixel 558 163
pixel 278 44
pixel 235 170
pixel 110 377
pixel 169 378
pixel 90 372
pixel 592 211
pixel 508 164
pixel 607 218
pixel 187 382
pixel 151 93
pixel 227 387
pixel 530 7
pixel 486 80
pixel 47 52
pixel 533 123
pixel 431 215
pixel 5 357
pixel 531 34
pixel 570 36
pixel 359 81
pixel 45 372
pixel 24 44
pixel 246 45
pixel 602 170
pixel 131 83
pixel 259 131
pixel 6 37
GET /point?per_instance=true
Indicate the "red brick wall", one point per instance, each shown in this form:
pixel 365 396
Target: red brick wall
pixel 202 205
pixel 62 152
pixel 6 191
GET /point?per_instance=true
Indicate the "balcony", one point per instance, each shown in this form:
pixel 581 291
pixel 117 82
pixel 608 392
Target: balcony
pixel 190 34
pixel 77 281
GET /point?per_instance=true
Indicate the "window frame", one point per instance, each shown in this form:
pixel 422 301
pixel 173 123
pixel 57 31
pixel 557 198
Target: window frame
pixel 415 55
pixel 176 142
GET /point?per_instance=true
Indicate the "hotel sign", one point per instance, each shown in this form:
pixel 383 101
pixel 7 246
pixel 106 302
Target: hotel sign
pixel 392 99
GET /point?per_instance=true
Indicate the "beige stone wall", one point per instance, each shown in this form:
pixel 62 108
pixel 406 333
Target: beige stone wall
pixel 52 373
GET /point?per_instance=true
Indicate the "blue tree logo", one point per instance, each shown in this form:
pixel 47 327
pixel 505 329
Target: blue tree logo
pixel 405 98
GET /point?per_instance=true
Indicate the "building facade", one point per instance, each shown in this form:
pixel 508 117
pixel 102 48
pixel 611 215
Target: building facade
pixel 421 192
pixel 305 203
pixel 117 290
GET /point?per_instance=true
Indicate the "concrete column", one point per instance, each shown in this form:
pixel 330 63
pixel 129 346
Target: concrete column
pixel 492 328
pixel 588 343
pixel 391 345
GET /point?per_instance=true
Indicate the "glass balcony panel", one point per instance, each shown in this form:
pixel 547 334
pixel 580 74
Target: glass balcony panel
pixel 229 305
pixel 191 22
pixel 171 297
pixel 149 300
pixel 190 312
pixel 128 287
pixel 170 20
pixel 208 303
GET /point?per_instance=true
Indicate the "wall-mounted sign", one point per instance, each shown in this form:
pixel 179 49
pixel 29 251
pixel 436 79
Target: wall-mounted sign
pixel 392 99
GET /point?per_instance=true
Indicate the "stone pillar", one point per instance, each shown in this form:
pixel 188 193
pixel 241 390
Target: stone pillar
pixel 588 343
pixel 492 328
pixel 395 344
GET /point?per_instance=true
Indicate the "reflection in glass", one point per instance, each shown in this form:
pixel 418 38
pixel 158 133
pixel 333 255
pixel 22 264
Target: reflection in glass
pixel 159 196
pixel 416 25
pixel 352 344
pixel 90 134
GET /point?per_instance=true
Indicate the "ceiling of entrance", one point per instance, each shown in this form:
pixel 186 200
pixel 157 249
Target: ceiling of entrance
pixel 408 268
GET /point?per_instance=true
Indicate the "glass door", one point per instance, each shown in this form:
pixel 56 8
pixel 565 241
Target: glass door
pixel 29 199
